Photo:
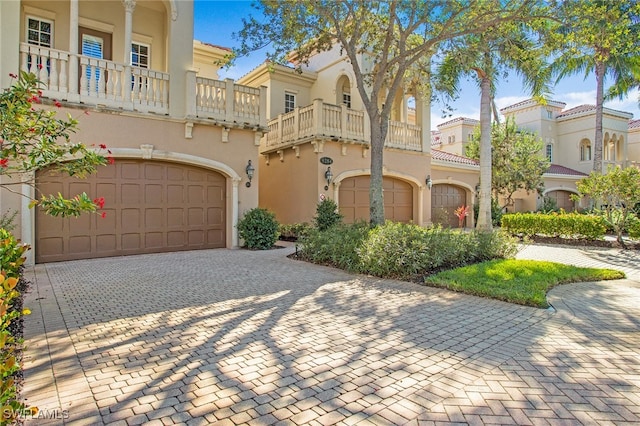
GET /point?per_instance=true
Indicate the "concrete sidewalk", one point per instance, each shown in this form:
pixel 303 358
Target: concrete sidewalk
pixel 245 337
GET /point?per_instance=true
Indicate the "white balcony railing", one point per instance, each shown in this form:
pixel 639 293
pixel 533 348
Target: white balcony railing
pixel 321 120
pixel 100 82
pixel 76 78
pixel 214 102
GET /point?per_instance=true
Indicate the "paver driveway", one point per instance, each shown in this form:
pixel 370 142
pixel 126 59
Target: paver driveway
pixel 236 336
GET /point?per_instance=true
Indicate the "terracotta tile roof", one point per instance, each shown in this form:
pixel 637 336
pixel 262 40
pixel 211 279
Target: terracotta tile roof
pixel 464 120
pixel 634 124
pixel 217 46
pixel 436 154
pixel 587 108
pixel 557 169
pixel 577 110
pixel 532 102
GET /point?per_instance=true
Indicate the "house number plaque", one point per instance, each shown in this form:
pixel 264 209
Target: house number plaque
pixel 326 161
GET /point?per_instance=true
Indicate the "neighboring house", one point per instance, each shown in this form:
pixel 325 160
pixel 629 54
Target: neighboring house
pixel 181 139
pixel 317 147
pixel 568 143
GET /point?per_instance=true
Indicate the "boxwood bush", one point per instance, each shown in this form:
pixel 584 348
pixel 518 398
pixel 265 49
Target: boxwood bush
pixel 259 229
pixel 565 225
pixel 398 250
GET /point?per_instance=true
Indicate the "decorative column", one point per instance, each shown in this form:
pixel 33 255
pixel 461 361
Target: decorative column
pixel 423 119
pixel 73 50
pixel 129 6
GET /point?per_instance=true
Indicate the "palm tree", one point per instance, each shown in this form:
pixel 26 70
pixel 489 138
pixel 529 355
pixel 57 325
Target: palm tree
pixel 601 37
pixel 486 58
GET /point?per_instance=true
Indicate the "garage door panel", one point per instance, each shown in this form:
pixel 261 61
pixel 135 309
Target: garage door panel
pixel 130 193
pixel 154 240
pixel 106 243
pixel 153 218
pixel 154 171
pixel 153 194
pixel 195 194
pixel 150 207
pixel 128 171
pixel 175 217
pixel 176 239
pixel 196 216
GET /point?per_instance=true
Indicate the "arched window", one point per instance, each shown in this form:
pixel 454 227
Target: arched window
pixel 343 91
pixel 585 150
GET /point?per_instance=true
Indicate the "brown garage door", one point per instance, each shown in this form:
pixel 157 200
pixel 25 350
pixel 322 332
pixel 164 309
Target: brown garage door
pixel 563 200
pixel 150 207
pixel 354 199
pixel 445 199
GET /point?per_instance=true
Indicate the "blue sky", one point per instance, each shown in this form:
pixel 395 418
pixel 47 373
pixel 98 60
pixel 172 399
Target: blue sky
pixel 217 20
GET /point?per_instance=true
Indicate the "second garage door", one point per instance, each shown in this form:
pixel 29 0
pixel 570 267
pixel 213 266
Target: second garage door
pixel 150 207
pixel 354 199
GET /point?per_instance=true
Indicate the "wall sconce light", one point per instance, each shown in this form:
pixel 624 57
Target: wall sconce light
pixel 429 182
pixel 329 177
pixel 478 188
pixel 249 170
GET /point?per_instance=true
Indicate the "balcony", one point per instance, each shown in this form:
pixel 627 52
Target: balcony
pixel 332 122
pixel 76 78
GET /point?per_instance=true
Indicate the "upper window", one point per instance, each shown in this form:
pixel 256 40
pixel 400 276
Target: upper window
pixel 140 55
pixel 346 99
pixel 39 32
pixel 585 150
pixel 549 152
pixel 289 102
pixel 549 113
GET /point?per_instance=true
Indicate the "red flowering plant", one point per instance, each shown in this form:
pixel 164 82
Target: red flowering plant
pixel 33 139
pixel 461 213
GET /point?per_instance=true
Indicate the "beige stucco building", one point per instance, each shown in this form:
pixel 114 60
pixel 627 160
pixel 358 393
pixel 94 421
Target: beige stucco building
pixel 136 80
pixel 318 129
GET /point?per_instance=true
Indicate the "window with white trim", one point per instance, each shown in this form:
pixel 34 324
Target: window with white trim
pixel 289 102
pixel 92 47
pixel 140 55
pixel 39 32
pixel 549 152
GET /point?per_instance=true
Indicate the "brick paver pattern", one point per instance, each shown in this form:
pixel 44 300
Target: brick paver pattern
pixel 244 337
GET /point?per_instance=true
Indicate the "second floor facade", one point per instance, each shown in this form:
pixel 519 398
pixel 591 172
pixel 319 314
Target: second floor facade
pixel 130 55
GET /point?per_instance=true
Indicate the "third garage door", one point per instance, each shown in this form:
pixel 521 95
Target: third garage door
pixel 354 199
pixel 445 199
pixel 150 207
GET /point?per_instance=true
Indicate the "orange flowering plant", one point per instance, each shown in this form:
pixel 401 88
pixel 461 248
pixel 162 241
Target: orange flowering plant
pixel 32 139
pixel 461 213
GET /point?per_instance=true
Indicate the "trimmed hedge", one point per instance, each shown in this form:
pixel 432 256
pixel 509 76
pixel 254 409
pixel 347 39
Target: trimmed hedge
pixel 565 225
pixel 400 250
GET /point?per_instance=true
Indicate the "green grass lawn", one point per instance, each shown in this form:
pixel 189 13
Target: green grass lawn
pixel 525 282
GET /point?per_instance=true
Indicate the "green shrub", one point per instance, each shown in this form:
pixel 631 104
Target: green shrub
pixel 634 229
pixel 566 225
pixel 335 246
pixel 494 245
pixel 293 231
pixel 327 215
pixel 259 229
pixel 11 311
pixel 403 250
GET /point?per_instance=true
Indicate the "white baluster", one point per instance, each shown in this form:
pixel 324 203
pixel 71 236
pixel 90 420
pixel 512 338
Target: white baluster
pixel 63 75
pixel 84 83
pixel 53 77
pixel 101 83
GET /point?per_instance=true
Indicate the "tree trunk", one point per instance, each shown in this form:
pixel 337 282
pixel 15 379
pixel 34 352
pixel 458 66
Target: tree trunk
pixel 376 198
pixel 484 215
pixel 597 143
